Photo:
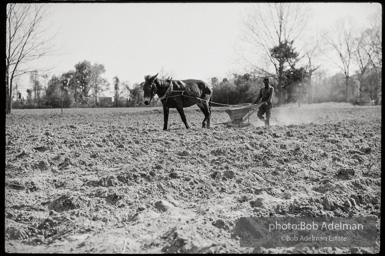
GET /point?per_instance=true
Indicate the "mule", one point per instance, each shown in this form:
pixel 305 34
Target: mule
pixel 179 94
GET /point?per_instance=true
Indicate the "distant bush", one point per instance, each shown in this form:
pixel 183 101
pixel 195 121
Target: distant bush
pixel 17 105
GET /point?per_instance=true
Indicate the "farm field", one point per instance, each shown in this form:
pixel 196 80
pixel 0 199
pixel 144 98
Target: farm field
pixel 111 180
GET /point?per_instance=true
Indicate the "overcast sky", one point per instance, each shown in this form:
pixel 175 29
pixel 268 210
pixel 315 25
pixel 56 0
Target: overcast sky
pixel 187 40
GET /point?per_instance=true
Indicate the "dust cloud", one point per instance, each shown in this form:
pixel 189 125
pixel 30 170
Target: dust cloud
pixel 293 114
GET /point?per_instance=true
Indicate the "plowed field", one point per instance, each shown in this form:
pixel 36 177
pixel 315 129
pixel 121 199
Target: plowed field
pixel 112 181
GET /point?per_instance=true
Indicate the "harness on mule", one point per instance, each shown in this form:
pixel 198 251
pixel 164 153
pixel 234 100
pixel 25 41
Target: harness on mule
pixel 185 91
pixel 170 89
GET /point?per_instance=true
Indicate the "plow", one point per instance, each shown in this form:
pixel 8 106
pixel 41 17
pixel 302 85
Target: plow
pixel 239 114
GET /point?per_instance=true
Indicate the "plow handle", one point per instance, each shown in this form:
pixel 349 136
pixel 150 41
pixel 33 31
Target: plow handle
pixel 252 110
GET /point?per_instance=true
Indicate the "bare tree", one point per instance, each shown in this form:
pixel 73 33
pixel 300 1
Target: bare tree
pixel 362 57
pixel 116 87
pixel 125 91
pixel 376 51
pixel 312 49
pixel 319 93
pixel 376 39
pixel 26 41
pixel 343 44
pixel 309 70
pixel 269 25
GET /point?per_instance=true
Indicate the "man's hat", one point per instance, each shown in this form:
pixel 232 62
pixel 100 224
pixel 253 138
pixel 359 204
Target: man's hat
pixel 266 79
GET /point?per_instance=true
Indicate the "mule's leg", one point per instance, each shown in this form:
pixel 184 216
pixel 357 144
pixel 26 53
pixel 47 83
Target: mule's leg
pixel 209 110
pixel 205 108
pixel 208 119
pixel 183 116
pixel 205 112
pixel 165 116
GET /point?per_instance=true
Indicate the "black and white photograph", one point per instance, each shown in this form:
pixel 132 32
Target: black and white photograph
pixel 193 127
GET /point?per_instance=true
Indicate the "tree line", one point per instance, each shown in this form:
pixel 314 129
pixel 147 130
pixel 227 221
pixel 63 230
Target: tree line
pixel 81 87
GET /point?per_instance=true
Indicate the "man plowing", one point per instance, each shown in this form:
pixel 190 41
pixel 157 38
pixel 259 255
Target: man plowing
pixel 265 95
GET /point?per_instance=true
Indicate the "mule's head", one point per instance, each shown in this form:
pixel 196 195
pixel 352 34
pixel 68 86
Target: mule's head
pixel 149 89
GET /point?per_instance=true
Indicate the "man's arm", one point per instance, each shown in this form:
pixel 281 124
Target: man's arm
pixel 271 94
pixel 258 97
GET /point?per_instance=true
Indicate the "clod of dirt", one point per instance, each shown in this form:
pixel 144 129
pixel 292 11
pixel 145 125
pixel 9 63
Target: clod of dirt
pixel 163 206
pixel 366 150
pixel 345 173
pixel 256 203
pixel 358 158
pixel 81 244
pixel 43 165
pixel 93 183
pixel 63 203
pixel 174 175
pixel 239 181
pixel 107 181
pixel 141 208
pixel 22 154
pixel 328 204
pixel 324 187
pixel 266 163
pixel 243 199
pixel 289 134
pixel 286 195
pixel 297 149
pixel 158 167
pixel 47 223
pixel 229 174
pixel 41 149
pixel 177 244
pixel 113 198
pixel 220 224
pixel 59 183
pixel 16 185
pixel 218 151
pixel 180 241
pixel 65 163
pixel 56 158
pixel 215 175
pixel 183 153
pixel 31 186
